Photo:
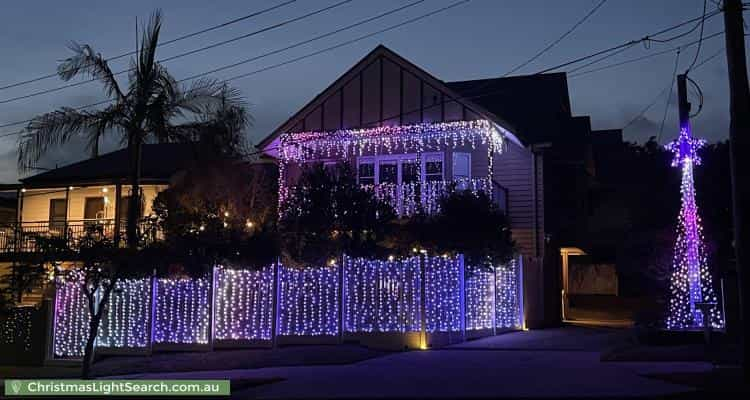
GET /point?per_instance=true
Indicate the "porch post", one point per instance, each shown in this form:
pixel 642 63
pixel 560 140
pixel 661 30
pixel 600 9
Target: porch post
pixel 19 226
pixel 67 210
pixel 118 206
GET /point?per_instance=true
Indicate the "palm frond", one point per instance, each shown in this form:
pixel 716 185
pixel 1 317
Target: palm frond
pixel 50 129
pixel 103 122
pixel 87 62
pixel 147 52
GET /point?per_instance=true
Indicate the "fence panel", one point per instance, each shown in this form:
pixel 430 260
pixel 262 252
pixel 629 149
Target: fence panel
pixel 71 320
pixel 244 304
pixel 308 301
pixel 182 311
pixel 381 296
pixel 509 297
pixel 480 298
pixel 443 294
pixel 127 319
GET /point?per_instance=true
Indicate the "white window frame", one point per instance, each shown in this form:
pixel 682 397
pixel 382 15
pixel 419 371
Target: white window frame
pixel 453 164
pixel 399 160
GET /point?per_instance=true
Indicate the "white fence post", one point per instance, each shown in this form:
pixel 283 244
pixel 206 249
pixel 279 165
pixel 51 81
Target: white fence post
pixel 276 296
pixel 494 299
pixel 422 304
pixel 521 313
pixel 462 294
pixel 212 309
pixel 341 299
pixel 152 305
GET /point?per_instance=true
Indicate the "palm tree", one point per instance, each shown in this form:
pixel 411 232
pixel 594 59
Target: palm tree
pixel 153 107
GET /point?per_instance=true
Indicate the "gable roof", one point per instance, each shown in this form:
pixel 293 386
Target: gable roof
pixel 159 163
pixel 538 105
pixel 379 52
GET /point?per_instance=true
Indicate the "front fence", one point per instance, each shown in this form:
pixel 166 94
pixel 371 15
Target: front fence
pixel 431 295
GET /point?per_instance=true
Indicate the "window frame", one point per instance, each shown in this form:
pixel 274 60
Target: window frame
pixel 400 160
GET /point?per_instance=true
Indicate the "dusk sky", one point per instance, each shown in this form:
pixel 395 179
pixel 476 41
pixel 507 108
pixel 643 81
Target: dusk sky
pixel 479 39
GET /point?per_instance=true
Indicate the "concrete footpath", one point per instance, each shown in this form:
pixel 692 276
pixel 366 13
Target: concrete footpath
pixel 548 363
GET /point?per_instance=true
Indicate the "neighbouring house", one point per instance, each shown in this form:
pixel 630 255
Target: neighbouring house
pixel 410 135
pixel 65 201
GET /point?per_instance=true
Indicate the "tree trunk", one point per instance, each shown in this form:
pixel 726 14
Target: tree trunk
pixel 135 150
pixel 88 352
pixel 96 319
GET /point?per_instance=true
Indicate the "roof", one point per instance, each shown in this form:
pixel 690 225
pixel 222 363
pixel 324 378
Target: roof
pixel 159 163
pixel 538 106
pixel 381 51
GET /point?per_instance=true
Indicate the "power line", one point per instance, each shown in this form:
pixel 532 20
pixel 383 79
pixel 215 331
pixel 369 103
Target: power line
pixel 629 43
pixel 296 59
pixel 700 38
pixel 600 59
pixel 191 52
pixel 298 44
pixel 645 110
pixel 669 98
pixel 558 40
pixel 348 42
pixel 177 39
pixel 707 59
pixel 304 42
pixel 617 64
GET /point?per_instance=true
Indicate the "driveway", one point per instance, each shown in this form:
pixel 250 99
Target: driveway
pixel 546 363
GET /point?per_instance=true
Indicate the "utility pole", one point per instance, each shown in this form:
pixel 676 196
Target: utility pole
pixel 739 143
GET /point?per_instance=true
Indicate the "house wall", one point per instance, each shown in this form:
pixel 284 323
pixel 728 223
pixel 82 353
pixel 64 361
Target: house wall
pixel 514 169
pixel 36 202
pixel 380 92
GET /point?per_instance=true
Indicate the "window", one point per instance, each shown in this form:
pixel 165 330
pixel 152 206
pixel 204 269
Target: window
pixel 388 171
pixel 433 167
pixel 58 211
pixel 366 172
pixel 462 169
pixel 409 171
pixel 124 207
pixel 93 208
pixel 400 168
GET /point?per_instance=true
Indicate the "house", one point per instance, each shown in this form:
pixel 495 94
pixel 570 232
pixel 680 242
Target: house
pixel 402 127
pixel 65 201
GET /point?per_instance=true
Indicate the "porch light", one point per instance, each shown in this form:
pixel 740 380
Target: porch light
pixel 226 213
pixel 70 187
pixel 23 190
pixel 249 224
pixel 104 190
